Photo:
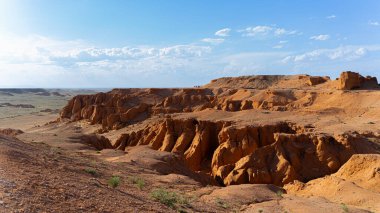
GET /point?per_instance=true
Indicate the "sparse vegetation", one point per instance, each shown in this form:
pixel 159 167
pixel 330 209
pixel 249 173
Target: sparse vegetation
pixel 221 203
pixel 139 182
pixel 91 171
pixel 114 181
pixel 55 150
pixel 279 193
pixel 261 211
pixel 170 199
pixel 344 207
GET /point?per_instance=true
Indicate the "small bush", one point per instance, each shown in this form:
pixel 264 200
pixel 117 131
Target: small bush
pixel 221 203
pixel 114 181
pixel 170 199
pixel 344 207
pixel 55 150
pixel 139 182
pixel 91 171
pixel 279 193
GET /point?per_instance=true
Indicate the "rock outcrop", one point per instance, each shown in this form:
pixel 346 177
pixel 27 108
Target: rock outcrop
pixel 99 142
pixel 300 157
pixel 356 183
pixel 315 80
pixel 230 151
pixel 122 107
pixel 272 154
pixel 352 80
pixel 119 108
pixel 11 132
pixel 28 106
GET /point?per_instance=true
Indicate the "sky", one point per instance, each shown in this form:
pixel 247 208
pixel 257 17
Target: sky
pixel 178 43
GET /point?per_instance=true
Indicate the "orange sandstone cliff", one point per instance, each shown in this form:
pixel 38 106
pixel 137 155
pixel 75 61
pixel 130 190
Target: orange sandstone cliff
pixel 251 129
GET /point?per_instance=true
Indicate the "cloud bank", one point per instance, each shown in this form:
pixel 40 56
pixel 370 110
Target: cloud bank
pixel 41 61
pixel 38 61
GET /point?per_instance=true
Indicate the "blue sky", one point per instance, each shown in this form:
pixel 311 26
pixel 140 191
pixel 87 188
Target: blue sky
pixel 167 43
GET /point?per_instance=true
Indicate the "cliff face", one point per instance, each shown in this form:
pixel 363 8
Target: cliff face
pixel 120 108
pixel 237 150
pixel 276 154
pixel 352 80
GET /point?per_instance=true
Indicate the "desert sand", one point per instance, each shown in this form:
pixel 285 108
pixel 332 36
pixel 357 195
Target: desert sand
pixel 241 144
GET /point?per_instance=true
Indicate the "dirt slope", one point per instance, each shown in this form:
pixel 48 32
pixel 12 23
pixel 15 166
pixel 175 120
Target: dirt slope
pixel 37 177
pixel 356 183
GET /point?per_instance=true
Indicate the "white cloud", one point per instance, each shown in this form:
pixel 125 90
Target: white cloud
pixel 374 23
pixel 282 31
pixel 42 61
pixel 320 37
pixel 213 40
pixel 258 30
pixel 44 50
pixel 46 62
pixel 263 31
pixel 331 16
pixel 223 32
pixel 343 53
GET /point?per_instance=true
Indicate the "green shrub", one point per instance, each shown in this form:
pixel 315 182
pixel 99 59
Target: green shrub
pixel 170 199
pixel 139 182
pixel 221 203
pixel 344 207
pixel 279 193
pixel 114 181
pixel 90 171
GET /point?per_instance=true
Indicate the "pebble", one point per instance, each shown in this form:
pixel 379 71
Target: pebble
pixel 1 202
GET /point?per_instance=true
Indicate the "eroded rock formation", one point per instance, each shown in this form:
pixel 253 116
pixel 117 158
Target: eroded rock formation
pixel 120 108
pixel 352 80
pixel 297 157
pixel 99 142
pixel 277 154
pixel 230 151
pixel 11 132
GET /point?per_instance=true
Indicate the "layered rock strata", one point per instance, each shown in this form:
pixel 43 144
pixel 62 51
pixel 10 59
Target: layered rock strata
pixel 120 108
pixel 276 154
